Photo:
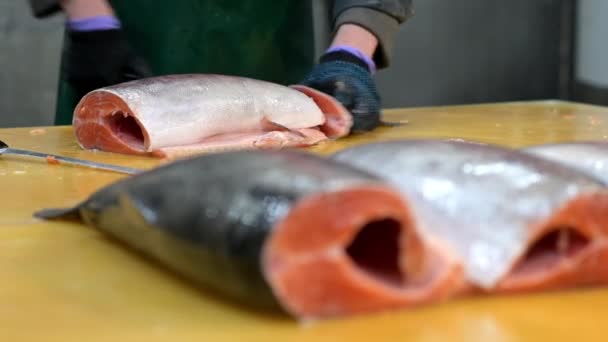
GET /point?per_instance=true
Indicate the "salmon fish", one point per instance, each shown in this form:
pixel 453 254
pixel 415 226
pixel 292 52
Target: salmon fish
pixel 516 222
pixel 274 229
pixel 176 116
pixel 585 156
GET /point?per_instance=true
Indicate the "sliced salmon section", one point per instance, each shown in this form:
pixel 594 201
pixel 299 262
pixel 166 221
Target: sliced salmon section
pixel 568 249
pixel 182 115
pixel 353 252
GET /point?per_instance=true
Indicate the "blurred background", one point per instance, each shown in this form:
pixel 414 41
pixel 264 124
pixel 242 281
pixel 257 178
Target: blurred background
pixel 450 52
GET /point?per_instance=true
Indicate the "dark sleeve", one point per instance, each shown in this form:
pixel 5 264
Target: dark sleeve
pixel 44 8
pixel 380 17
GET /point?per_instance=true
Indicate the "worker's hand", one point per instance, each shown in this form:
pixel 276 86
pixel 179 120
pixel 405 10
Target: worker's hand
pixel 348 79
pixel 100 58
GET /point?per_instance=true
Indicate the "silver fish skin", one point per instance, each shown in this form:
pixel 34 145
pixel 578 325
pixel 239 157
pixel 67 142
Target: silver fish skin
pixel 586 156
pixel 479 200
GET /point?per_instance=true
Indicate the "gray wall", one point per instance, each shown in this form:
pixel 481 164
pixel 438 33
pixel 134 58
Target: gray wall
pixel 591 59
pixel 29 60
pixel 468 51
pixel 450 52
pixel 592 43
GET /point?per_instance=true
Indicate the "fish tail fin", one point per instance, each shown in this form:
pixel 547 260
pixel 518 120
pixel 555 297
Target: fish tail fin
pixel 71 213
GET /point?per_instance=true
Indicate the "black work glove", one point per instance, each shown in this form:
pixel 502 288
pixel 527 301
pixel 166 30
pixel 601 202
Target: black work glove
pixel 95 59
pixel 348 79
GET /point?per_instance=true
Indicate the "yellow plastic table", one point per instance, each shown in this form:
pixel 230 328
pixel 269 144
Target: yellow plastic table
pixel 66 281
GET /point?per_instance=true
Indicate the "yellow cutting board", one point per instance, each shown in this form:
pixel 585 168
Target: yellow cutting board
pixel 66 281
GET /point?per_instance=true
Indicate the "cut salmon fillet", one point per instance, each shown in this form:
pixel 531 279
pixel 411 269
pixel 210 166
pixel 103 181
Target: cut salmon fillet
pixel 183 115
pixel 353 252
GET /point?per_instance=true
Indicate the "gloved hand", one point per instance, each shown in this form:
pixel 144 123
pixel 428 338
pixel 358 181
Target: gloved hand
pixel 347 76
pixel 96 58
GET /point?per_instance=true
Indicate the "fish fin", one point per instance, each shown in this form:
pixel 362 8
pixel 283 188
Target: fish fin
pixel 72 213
pixel 269 125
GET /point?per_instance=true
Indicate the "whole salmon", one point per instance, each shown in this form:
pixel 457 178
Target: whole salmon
pixel 585 156
pixel 515 221
pixel 182 115
pixel 312 236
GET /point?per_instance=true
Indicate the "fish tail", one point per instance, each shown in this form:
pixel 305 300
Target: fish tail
pixel 58 213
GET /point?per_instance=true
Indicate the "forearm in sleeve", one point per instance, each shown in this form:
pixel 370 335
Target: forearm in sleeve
pixel 380 17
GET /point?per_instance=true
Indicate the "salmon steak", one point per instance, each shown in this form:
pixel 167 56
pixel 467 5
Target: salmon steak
pixel 287 230
pixel 514 221
pixel 175 116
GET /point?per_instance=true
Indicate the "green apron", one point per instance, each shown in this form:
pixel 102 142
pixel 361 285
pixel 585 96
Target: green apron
pixel 271 40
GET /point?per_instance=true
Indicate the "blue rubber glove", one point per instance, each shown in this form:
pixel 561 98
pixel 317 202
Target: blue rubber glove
pixel 346 74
